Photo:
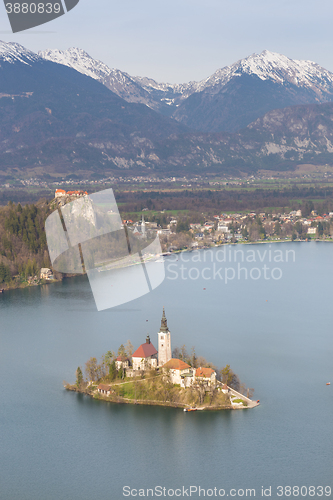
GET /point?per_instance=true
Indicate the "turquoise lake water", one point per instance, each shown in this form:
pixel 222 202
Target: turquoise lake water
pixel 274 329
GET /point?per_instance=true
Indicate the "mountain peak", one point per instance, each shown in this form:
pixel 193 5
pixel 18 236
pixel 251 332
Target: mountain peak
pixel 12 52
pixel 79 60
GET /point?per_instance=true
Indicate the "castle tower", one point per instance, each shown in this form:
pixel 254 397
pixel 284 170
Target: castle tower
pixel 164 342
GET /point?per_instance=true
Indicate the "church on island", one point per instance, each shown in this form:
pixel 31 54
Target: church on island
pixel 146 357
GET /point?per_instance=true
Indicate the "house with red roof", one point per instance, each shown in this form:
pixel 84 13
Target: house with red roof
pixel 62 192
pixel 178 370
pixel 206 375
pixel 104 389
pixel 59 193
pixel 183 374
pixel 145 357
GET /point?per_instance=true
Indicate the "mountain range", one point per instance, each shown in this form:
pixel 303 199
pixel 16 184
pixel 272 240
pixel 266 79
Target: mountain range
pixel 227 101
pixel 64 112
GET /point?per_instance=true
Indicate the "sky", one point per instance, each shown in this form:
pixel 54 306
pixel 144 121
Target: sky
pixel 178 41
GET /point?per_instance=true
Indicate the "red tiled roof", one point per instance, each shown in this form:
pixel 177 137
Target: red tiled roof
pixel 60 191
pixel 144 351
pixel 204 372
pixel 104 387
pixel 176 364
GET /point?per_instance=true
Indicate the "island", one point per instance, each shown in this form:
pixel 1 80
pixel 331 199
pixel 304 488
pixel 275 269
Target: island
pixel 162 377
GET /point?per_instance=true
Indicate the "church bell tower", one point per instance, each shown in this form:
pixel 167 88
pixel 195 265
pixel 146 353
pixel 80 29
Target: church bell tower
pixel 164 342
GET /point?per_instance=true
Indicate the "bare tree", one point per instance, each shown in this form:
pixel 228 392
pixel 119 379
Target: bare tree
pixel 129 348
pixel 91 369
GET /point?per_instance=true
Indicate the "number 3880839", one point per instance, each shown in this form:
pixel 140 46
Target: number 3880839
pixel 33 8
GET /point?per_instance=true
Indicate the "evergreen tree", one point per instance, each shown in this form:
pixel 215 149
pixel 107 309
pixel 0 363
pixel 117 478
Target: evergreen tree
pixel 79 377
pixel 112 371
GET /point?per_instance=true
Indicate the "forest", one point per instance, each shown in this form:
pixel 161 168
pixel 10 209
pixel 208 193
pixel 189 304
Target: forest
pixel 23 248
pixel 217 201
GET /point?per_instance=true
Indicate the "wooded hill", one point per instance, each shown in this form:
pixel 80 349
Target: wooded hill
pixel 23 249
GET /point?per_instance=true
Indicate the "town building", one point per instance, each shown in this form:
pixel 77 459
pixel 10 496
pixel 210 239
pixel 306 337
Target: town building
pixel 104 389
pixel 183 374
pixel 59 193
pixel 46 274
pixel 123 362
pixel 207 376
pixel 177 370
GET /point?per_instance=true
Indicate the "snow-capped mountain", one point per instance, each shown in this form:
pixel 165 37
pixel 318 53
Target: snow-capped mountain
pixel 44 103
pixel 56 119
pixel 229 99
pixel 236 95
pixel 275 67
pixel 118 81
pixel 14 52
pixel 266 66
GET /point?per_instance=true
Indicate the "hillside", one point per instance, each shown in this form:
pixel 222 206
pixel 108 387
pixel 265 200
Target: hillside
pixel 23 248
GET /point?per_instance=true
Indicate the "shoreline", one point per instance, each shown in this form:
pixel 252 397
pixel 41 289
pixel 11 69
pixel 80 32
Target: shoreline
pixel 149 402
pixel 4 287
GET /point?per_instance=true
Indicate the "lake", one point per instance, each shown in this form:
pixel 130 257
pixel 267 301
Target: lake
pixel 264 309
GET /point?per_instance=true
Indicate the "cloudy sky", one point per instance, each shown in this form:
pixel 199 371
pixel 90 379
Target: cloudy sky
pixel 181 40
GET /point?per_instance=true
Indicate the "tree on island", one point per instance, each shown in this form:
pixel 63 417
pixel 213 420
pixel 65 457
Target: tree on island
pixel 79 377
pixel 91 370
pixel 95 371
pixel 129 348
pixel 230 378
pixel 109 358
pixel 193 358
pixel 122 351
pixel 112 371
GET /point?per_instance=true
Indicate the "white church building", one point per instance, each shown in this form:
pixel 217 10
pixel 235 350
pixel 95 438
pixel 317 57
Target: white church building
pixel 164 342
pixel 146 357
